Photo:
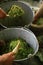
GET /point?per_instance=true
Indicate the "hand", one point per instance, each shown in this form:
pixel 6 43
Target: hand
pixel 39 13
pixel 7 59
pixel 2 13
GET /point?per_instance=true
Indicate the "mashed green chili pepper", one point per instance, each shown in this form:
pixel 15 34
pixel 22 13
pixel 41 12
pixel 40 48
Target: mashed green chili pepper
pixel 16 11
pixel 39 21
pixel 24 49
pixel 15 18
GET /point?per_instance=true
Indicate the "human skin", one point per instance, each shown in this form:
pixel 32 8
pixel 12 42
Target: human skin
pixel 2 13
pixel 39 13
pixel 7 59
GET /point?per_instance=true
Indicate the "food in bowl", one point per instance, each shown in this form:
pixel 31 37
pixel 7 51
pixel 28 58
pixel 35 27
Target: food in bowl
pixel 39 21
pixel 15 17
pixel 38 15
pixel 16 11
pixel 24 49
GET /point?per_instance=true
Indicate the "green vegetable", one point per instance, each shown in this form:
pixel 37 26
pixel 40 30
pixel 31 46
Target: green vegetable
pixel 24 49
pixel 39 21
pixel 40 39
pixel 16 11
pixel 16 17
pixel 40 54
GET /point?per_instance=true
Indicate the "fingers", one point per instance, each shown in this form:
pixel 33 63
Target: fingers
pixel 7 59
pixel 9 56
pixel 39 13
pixel 2 13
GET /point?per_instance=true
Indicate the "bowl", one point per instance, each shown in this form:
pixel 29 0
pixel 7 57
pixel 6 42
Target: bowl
pixel 37 29
pixel 25 34
pixel 27 17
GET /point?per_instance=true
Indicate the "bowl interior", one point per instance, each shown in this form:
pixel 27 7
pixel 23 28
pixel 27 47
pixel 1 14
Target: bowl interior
pixel 27 18
pixel 27 35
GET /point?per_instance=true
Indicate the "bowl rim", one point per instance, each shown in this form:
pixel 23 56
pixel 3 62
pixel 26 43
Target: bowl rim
pixel 25 29
pixel 37 26
pixel 25 4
